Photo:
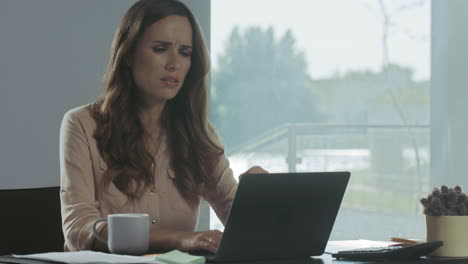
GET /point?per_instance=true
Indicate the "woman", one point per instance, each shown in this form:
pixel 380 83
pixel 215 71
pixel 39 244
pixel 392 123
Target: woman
pixel 146 146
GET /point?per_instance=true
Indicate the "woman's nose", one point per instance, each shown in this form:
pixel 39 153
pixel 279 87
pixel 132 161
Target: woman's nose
pixel 173 61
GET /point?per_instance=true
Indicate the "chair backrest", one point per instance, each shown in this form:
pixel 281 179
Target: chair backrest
pixel 30 221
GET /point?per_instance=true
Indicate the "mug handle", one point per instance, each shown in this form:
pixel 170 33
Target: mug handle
pixel 95 232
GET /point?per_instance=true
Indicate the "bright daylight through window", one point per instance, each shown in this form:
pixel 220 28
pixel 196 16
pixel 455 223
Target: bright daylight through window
pixel 326 85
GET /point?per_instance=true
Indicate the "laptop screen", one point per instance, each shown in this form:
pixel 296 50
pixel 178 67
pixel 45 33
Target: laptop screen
pixel 282 215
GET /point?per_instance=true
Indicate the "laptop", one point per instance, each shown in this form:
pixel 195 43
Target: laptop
pixel 281 216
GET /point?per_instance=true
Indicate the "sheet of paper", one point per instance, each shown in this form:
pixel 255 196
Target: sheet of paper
pixel 335 246
pixel 85 257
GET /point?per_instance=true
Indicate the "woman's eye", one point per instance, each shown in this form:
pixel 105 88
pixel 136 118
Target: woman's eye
pixel 186 53
pixel 159 49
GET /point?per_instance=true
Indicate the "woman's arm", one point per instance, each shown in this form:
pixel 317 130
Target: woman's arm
pixel 78 201
pixel 222 189
pixel 219 192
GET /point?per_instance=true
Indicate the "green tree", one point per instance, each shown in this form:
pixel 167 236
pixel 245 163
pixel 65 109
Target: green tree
pixel 359 97
pixel 260 84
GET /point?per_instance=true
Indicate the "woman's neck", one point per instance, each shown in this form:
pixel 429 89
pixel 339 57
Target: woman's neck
pixel 151 116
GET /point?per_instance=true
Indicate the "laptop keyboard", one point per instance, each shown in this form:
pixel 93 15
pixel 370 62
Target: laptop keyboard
pixel 210 258
pixel 208 255
pixel 201 253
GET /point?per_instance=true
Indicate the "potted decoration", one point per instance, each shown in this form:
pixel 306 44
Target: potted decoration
pixel 447 220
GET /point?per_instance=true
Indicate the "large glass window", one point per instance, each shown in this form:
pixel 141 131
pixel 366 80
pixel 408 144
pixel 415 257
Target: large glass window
pixel 326 85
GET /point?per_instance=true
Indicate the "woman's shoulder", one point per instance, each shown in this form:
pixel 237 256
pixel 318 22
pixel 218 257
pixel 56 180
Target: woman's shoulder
pixel 81 115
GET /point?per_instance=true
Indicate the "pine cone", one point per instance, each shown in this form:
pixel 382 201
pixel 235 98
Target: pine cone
pixel 424 201
pixel 436 203
pixel 461 209
pixel 445 201
pixel 444 189
pixel 461 198
pixel 452 199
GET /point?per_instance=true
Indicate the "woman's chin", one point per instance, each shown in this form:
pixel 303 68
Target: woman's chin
pixel 162 97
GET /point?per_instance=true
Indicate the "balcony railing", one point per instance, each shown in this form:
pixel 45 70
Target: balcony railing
pixel 389 163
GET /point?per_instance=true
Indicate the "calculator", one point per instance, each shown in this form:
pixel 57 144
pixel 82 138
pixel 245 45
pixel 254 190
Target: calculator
pixel 400 252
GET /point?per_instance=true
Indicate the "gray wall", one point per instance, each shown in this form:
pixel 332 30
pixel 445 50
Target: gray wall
pixel 52 57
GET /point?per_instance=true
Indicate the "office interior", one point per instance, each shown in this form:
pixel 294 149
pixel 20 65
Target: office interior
pixel 377 88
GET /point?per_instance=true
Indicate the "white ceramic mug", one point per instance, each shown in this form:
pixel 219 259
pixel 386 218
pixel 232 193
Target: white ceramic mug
pixel 127 233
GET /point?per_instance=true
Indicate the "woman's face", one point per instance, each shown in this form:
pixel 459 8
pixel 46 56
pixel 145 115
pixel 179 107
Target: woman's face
pixel 162 58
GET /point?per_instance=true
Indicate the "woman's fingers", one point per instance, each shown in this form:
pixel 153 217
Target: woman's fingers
pixel 254 170
pixel 216 237
pixel 207 246
pixel 209 240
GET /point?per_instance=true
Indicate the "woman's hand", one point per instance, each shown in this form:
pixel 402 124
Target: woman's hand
pixel 163 240
pixel 204 240
pixel 254 170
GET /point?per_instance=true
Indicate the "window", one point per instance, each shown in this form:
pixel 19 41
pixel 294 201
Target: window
pixel 326 85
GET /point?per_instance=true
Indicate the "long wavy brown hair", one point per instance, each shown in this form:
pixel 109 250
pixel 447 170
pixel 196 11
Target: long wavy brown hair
pixel 193 144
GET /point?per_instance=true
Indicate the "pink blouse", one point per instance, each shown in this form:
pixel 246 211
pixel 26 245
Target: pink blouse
pixel 81 169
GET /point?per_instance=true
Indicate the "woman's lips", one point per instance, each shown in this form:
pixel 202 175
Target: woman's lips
pixel 170 82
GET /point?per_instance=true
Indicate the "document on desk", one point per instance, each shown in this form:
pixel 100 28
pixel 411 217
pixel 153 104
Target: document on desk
pixel 340 245
pixel 87 257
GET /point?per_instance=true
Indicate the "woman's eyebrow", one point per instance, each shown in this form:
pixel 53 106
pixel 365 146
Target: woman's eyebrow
pixel 162 42
pixel 170 43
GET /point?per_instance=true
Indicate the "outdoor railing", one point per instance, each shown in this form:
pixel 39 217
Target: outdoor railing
pixel 389 163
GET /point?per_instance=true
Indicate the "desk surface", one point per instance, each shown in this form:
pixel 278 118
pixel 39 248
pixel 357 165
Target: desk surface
pixel 324 259
pixel 327 259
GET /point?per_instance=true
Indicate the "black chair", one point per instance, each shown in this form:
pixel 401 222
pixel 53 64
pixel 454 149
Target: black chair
pixel 30 221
